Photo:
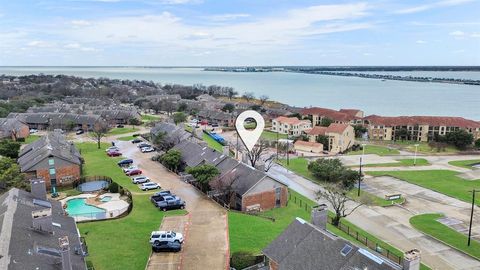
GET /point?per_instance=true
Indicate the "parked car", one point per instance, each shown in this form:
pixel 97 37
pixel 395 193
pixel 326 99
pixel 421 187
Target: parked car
pixel 165 246
pixel 214 125
pixel 134 172
pixel 33 130
pixel 170 203
pixel 136 140
pixel 112 148
pixel 149 186
pixel 143 144
pixel 147 149
pixel 120 126
pixel 168 236
pixel 125 162
pixel 162 196
pixel 80 131
pixel 140 179
pixel 129 168
pixel 163 193
pixel 114 153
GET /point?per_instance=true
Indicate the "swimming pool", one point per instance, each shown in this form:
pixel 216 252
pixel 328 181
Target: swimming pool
pixel 92 186
pixel 78 207
pixel 106 199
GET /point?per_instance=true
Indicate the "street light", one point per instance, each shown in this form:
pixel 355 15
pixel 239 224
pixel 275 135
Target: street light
pixel 471 216
pixel 363 149
pixel 360 169
pixel 415 156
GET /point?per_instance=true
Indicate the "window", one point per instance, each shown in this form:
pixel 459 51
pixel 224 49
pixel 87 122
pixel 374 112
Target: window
pixel 52 171
pixel 51 162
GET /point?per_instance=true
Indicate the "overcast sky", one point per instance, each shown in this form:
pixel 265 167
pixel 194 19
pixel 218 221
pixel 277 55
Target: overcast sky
pixel 239 32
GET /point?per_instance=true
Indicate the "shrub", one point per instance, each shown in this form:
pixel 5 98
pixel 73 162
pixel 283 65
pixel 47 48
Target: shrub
pixel 242 259
pixel 113 187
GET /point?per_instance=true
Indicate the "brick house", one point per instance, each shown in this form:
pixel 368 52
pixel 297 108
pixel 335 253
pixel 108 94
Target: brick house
pixel 340 136
pixel 13 129
pixel 307 245
pixel 51 120
pixel 253 189
pixel 221 118
pixel 419 128
pixel 51 158
pixel 290 125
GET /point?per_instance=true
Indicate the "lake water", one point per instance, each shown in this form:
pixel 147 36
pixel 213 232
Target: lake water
pixel 371 95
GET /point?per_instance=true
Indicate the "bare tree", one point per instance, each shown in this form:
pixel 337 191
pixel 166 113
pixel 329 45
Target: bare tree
pixel 231 93
pixel 263 99
pixel 224 187
pixel 248 96
pixel 100 130
pixel 269 162
pixel 337 197
pixel 257 152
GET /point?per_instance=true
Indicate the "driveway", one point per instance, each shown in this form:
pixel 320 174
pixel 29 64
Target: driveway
pixel 206 244
pixel 392 224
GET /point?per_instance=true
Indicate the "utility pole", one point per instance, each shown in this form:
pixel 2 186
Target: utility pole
pixel 471 216
pixel 359 177
pixel 415 156
pixel 277 143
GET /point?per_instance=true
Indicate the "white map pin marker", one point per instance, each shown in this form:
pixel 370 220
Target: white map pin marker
pixel 249 137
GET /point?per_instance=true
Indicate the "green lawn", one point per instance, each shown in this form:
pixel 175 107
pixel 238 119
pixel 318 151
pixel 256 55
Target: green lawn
pixel 252 234
pixel 370 199
pixel 118 131
pixel 126 138
pixel 32 138
pixel 120 243
pixel 401 162
pixel 212 143
pixel 149 117
pixel 423 147
pixel 428 224
pixel 299 166
pixel 376 149
pixel 443 181
pixel 272 136
pixel 465 163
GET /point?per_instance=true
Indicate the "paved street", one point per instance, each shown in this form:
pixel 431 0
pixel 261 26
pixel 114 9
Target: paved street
pixel 392 224
pixel 206 244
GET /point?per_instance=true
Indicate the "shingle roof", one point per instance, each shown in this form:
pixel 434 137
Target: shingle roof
pixel 422 120
pixel 329 113
pixel 291 120
pixel 52 144
pixel 19 243
pixel 9 124
pixel 302 246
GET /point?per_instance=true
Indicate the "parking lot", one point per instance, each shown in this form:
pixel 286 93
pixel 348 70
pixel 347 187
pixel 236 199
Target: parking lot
pixel 206 244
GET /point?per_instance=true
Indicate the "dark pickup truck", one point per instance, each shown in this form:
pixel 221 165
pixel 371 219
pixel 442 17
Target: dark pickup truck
pixel 167 202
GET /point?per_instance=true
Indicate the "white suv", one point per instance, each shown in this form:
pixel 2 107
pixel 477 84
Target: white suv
pixel 159 236
pixel 140 179
pixel 149 186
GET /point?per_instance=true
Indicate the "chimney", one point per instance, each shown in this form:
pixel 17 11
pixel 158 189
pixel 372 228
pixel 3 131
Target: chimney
pixel 38 189
pixel 65 252
pixel 42 220
pixel 411 260
pixel 319 216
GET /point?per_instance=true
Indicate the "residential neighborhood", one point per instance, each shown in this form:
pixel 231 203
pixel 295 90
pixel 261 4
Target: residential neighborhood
pixel 289 203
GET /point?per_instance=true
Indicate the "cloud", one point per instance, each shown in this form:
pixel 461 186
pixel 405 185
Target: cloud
pixel 227 17
pixel 475 35
pixel 39 44
pixel 438 4
pixel 80 23
pixel 77 46
pixel 457 33
pixel 420 41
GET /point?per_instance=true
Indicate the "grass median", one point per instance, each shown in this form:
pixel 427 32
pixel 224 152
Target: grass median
pixel 428 224
pixel 402 163
pixel 468 164
pixel 442 181
pixel 377 150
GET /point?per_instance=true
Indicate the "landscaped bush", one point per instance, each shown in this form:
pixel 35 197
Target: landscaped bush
pixel 242 260
pixel 113 187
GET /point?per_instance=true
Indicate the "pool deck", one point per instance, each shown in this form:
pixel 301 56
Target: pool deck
pixel 114 207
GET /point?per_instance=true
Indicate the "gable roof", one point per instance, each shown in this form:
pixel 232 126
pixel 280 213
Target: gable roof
pixel 53 144
pixel 337 128
pixel 291 120
pixel 20 244
pixel 329 113
pixel 302 246
pixel 422 120
pixel 317 130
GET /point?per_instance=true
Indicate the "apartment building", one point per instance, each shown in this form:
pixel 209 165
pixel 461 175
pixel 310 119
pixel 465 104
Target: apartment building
pixel 291 125
pixel 340 136
pixel 417 128
pixel 343 116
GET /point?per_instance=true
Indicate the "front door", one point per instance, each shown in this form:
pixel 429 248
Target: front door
pixel 278 194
